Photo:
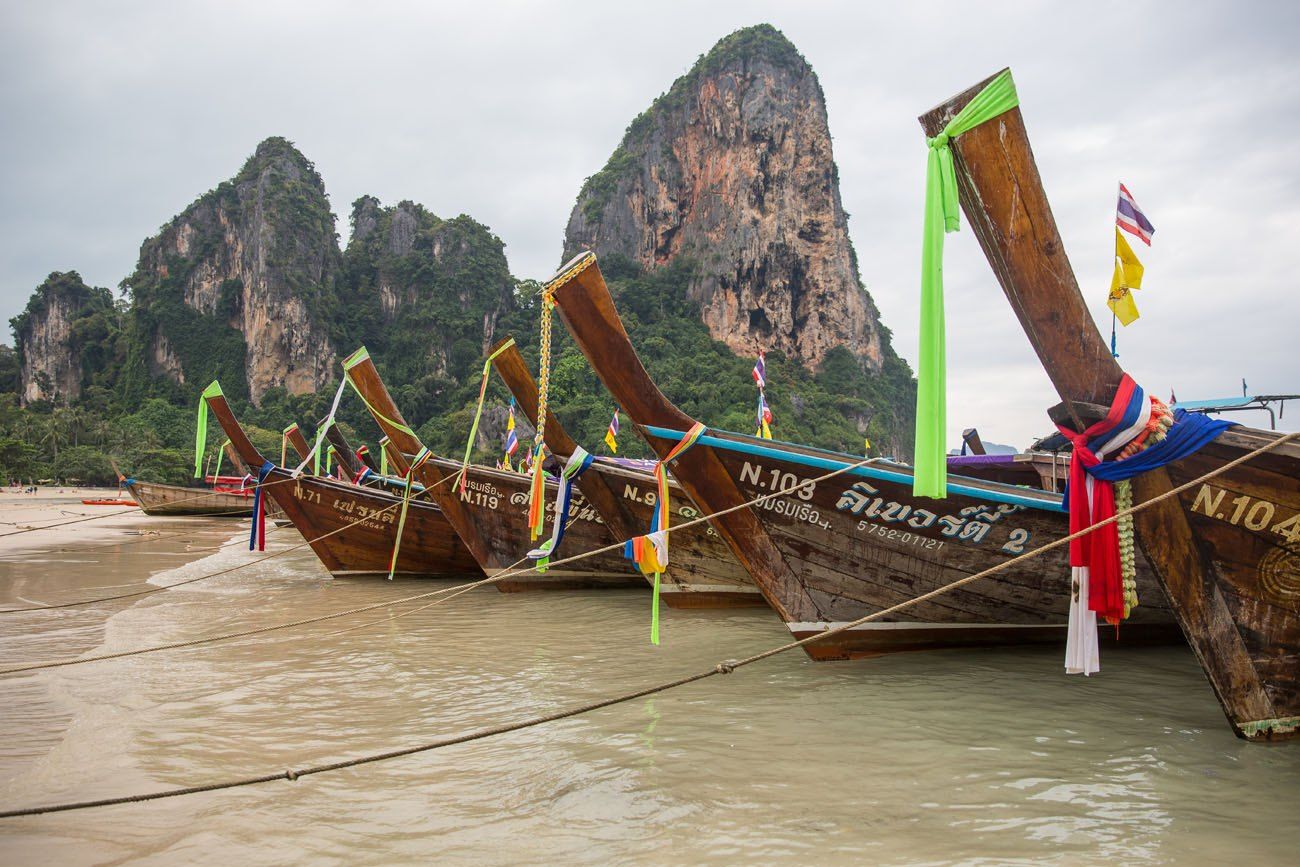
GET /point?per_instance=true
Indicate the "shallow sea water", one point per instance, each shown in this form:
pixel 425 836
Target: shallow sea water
pixel 934 758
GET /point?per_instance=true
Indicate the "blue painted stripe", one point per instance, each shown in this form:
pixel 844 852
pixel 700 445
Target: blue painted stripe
pixel 869 472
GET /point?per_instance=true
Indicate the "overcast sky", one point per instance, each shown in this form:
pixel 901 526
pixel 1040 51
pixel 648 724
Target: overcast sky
pixel 117 115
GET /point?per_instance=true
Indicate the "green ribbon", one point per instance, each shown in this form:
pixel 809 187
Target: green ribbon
pixel 943 215
pixel 478 411
pixel 201 429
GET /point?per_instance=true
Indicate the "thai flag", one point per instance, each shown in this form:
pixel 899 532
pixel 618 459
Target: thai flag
pixel 760 372
pixel 512 440
pixel 611 435
pixel 1129 217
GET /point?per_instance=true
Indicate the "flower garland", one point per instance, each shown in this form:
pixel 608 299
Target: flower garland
pixel 1162 418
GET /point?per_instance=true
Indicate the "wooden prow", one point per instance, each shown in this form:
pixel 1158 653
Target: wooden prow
pixel 240 466
pixel 588 311
pixel 343 450
pixel 298 441
pixel 360 369
pixel 1004 201
pixel 239 440
pixel 594 486
pixel 971 438
pixel 396 460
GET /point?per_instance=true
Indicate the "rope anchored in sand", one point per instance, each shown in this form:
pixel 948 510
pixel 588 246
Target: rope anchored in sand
pixel 724 667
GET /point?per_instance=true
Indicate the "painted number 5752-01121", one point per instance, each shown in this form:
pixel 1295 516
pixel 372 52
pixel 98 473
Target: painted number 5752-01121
pixel 1249 512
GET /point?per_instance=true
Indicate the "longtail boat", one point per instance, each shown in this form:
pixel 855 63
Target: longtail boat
pixel 365 518
pixel 827 552
pixel 703 573
pixel 1226 552
pixel 490 510
pixel 159 499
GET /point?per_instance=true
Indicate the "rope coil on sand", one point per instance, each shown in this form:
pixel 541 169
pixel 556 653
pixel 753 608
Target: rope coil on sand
pixel 721 668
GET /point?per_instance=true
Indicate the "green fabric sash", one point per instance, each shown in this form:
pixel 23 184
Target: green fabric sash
pixel 201 429
pixel 942 215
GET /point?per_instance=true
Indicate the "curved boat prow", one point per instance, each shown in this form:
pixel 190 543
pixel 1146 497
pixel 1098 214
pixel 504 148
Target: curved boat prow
pixel 239 441
pixel 588 311
pixel 1223 577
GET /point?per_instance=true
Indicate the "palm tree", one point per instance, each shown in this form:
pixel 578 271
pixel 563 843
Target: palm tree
pixel 55 431
pixel 77 419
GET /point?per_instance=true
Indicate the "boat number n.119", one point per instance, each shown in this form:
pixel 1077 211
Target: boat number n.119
pixel 776 480
pixel 1250 512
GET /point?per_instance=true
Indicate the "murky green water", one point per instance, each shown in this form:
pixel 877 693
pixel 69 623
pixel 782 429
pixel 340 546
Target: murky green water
pixel 914 759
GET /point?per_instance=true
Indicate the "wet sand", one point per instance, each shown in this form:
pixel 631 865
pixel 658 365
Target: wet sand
pixel 917 758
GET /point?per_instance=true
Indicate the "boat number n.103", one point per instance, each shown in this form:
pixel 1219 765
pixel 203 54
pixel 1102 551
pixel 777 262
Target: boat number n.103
pixel 776 480
pixel 1249 512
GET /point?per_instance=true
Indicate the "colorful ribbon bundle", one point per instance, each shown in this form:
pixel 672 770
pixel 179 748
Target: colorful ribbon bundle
pixel 650 552
pixel 536 491
pixel 1139 430
pixel 577 464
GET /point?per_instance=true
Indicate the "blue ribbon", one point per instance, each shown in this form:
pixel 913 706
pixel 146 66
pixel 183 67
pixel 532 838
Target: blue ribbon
pixel 259 504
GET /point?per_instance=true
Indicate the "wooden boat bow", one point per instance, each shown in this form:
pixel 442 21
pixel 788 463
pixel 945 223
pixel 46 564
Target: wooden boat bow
pixel 1003 198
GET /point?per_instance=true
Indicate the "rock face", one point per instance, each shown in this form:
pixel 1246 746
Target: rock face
pixel 241 283
pixel 732 167
pixel 425 292
pixel 49 335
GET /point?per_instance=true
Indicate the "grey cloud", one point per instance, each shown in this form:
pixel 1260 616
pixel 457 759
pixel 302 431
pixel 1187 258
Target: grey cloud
pixel 118 115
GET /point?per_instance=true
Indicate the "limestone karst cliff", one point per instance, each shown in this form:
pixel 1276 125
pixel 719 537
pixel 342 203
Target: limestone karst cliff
pixel 732 169
pixel 62 337
pixel 424 291
pixel 240 283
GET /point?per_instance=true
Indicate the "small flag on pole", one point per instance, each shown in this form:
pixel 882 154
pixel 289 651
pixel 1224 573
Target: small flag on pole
pixel 1127 277
pixel 764 418
pixel 760 372
pixel 612 434
pixel 512 439
pixel 1129 217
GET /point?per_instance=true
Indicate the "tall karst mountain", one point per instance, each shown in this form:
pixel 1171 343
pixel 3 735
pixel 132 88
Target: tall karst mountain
pixel 732 169
pixel 423 292
pixel 65 338
pixel 240 285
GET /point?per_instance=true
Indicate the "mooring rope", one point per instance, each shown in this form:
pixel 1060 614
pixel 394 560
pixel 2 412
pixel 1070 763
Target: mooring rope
pixel 139 508
pixel 149 590
pixel 725 667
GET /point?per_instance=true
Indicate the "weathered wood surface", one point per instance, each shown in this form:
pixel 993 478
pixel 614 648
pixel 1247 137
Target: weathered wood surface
pixel 1222 583
pixel 318 507
pixel 343 451
pixel 493 528
pixel 299 442
pixel 842 565
pixel 702 573
pixel 156 498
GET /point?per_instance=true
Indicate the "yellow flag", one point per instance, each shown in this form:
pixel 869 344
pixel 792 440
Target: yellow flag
pixel 1127 277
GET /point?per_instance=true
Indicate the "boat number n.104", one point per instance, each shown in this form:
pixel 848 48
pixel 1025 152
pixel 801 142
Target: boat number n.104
pixel 1249 512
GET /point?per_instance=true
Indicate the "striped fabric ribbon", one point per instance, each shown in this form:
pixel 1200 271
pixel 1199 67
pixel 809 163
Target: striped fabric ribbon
pixel 650 552
pixel 577 464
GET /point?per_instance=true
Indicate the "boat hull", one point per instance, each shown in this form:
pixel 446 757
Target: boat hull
pixel 496 504
pixel 159 499
pixel 353 529
pixel 860 542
